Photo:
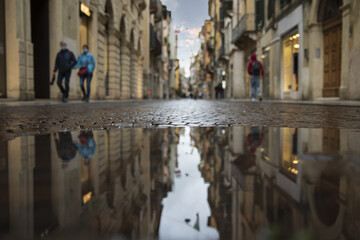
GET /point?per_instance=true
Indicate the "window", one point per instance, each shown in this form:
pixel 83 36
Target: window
pixel 259 14
pixel 271 9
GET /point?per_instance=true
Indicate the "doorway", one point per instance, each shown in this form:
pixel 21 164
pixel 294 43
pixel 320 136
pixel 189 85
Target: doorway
pixel 2 51
pixel 44 218
pixel 332 58
pixel 330 16
pixel 266 79
pixel 4 190
pixel 40 39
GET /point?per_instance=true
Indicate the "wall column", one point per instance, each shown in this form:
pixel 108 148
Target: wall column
pixel 134 74
pixel 125 71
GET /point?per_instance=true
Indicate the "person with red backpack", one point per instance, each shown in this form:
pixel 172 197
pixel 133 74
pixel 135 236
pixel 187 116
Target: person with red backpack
pixel 255 69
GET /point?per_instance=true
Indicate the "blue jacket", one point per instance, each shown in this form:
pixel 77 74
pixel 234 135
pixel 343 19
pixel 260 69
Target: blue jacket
pixel 86 60
pixel 87 150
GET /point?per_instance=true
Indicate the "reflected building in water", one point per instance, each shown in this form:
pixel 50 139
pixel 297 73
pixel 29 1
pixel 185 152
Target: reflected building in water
pixel 263 182
pixel 86 184
pixel 297 182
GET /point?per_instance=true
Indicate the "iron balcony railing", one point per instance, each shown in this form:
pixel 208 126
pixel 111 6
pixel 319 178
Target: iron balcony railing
pixel 245 25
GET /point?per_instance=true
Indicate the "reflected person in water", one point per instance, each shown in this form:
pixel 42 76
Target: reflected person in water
pixel 86 146
pixel 254 139
pixel 65 147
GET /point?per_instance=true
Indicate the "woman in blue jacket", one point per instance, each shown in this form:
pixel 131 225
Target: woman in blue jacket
pixel 86 62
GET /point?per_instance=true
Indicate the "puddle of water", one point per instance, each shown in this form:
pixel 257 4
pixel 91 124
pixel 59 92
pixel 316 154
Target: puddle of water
pixel 182 183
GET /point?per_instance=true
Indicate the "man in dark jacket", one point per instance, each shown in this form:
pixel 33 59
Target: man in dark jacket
pixel 255 69
pixel 65 61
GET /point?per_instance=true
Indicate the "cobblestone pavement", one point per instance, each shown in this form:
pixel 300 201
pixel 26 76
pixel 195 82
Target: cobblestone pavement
pixel 21 120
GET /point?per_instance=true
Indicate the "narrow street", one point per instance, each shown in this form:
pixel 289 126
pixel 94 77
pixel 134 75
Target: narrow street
pixel 179 119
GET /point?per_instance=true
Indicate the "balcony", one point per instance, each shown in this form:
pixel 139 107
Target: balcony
pixel 243 29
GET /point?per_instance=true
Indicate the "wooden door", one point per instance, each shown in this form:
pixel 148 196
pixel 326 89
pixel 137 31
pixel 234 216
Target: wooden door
pixel 332 59
pixel 331 140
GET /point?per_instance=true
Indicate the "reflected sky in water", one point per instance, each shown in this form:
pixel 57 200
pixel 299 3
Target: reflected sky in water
pixel 182 183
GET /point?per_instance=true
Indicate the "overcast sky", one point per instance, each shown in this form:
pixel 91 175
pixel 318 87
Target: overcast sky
pixel 189 16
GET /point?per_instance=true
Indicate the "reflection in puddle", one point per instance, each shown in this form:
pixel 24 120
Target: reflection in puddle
pixel 182 183
pixel 189 198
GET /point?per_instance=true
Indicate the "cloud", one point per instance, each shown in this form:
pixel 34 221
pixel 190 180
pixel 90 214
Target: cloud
pixel 187 43
pixel 193 32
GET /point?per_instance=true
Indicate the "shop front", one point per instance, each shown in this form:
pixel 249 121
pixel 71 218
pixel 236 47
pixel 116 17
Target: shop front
pixel 290 30
pixel 290 59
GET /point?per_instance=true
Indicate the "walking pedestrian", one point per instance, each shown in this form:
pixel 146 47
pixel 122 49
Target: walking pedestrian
pixel 255 69
pixel 86 62
pixel 65 61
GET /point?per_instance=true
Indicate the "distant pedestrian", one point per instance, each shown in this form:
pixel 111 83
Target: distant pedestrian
pixel 255 70
pixel 86 62
pixel 65 61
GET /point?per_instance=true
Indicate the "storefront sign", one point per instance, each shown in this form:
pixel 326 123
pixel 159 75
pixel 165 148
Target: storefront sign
pixel 85 9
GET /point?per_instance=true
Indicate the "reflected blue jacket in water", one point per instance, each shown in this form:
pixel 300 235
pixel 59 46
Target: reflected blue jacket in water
pixel 86 60
pixel 87 150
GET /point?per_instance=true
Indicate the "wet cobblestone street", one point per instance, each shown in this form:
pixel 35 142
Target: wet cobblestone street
pixel 17 121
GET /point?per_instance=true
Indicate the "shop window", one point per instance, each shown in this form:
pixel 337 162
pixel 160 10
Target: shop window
pixel 289 161
pixel 291 62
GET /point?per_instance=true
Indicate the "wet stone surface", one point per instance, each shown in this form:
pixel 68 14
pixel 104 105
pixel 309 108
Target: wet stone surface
pixel 25 120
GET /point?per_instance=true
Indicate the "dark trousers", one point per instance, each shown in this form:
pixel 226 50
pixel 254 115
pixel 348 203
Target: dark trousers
pixel 61 76
pixel 88 82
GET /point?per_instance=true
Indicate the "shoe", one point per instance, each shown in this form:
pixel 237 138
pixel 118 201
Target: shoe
pixel 87 100
pixel 83 99
pixel 64 100
pixel 253 99
pixel 260 98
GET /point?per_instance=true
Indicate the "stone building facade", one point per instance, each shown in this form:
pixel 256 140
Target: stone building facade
pixel 309 49
pixel 30 33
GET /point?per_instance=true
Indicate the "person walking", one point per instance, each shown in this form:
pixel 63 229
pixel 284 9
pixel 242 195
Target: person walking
pixel 255 69
pixel 86 62
pixel 65 61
